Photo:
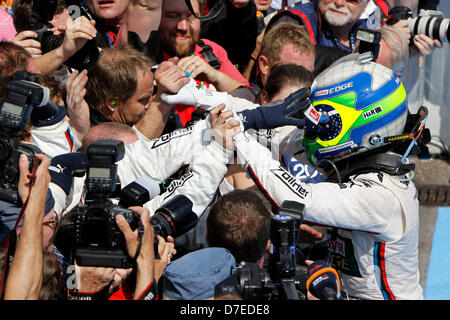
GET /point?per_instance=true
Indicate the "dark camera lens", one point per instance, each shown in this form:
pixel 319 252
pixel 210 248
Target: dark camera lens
pixel 174 218
pixel 10 174
pixel 5 149
pixel 50 42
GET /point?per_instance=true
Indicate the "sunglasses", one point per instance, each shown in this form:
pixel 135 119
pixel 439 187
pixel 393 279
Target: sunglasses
pixel 355 2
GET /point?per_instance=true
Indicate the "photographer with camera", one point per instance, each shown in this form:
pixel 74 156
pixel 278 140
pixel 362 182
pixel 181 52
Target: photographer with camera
pixel 423 34
pixel 270 263
pixel 194 147
pixel 35 20
pixel 24 276
pixel 28 116
pixel 368 201
pixel 239 221
pixel 103 282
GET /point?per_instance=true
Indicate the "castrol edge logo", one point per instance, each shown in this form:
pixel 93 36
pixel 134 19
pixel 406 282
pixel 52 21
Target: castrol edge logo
pixel 339 88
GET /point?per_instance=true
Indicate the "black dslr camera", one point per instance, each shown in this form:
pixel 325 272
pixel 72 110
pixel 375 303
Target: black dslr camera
pixel 21 97
pixel 97 239
pixel 281 278
pixel 43 11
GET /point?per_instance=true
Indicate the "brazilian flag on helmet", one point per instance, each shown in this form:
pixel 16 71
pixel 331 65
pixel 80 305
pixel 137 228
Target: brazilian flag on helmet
pixel 354 104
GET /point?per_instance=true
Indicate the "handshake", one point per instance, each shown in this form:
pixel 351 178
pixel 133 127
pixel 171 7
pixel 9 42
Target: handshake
pixel 275 114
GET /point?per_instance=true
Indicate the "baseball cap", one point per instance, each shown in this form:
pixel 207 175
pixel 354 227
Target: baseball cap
pixel 194 276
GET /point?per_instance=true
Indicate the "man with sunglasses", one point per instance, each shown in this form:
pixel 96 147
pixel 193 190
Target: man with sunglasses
pixel 330 23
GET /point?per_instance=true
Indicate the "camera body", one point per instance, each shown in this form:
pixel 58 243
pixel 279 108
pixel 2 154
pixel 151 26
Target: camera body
pixel 98 239
pixel 255 283
pixel 21 97
pixel 43 11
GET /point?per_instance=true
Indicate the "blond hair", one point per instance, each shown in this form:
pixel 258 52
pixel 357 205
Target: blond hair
pixel 115 75
pixel 281 34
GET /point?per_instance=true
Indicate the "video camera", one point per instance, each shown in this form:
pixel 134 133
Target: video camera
pixel 98 240
pixel 429 22
pixel 43 12
pixel 22 95
pixel 280 278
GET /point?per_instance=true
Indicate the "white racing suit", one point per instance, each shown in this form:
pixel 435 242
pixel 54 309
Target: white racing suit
pixel 158 159
pixel 376 217
pixel 55 137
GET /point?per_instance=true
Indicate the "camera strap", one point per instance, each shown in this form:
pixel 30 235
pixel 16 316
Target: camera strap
pixel 103 294
pixel 138 250
pixel 209 55
pixel 150 293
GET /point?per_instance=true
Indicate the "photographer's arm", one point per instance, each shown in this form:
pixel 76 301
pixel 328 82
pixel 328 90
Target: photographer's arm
pixel 77 108
pixel 77 33
pixel 145 279
pixel 25 277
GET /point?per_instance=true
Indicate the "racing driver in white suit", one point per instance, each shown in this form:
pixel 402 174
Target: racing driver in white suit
pixel 355 132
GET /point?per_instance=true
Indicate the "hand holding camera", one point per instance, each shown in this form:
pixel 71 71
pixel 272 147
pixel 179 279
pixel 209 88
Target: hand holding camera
pixel 34 176
pixel 26 39
pixel 77 33
pixel 141 249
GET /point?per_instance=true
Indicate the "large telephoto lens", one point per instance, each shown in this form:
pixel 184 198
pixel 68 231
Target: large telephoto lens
pixel 434 26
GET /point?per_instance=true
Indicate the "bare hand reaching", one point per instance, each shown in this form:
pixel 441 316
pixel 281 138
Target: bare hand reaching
pixel 77 108
pixel 223 126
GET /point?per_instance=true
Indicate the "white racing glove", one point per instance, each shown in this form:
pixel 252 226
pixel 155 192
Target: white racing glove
pixel 191 94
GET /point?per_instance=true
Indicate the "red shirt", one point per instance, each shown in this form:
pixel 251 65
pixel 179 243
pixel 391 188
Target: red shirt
pixel 226 67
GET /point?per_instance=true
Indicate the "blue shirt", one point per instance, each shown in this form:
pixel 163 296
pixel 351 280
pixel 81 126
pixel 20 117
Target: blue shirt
pixel 307 14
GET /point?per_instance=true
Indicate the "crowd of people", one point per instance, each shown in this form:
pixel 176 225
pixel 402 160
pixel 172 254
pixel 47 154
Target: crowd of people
pixel 239 106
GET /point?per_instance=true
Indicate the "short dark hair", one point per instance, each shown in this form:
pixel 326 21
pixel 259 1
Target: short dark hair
pixel 240 222
pixel 13 58
pixel 24 17
pixel 287 74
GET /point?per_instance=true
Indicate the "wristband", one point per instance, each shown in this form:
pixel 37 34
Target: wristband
pixel 150 293
pixel 103 294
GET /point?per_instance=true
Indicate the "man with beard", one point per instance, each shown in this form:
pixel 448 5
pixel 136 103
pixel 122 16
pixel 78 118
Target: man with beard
pixel 331 23
pixel 204 60
pixel 180 36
